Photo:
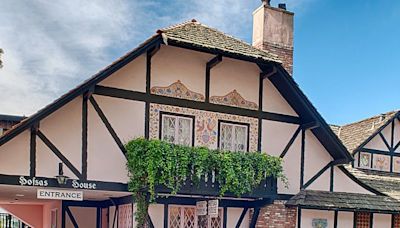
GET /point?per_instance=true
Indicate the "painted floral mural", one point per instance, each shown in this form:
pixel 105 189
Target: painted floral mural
pixel 206 124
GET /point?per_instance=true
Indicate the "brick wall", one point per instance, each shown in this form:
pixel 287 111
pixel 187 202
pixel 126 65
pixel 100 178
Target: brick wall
pixel 285 54
pixel 396 221
pixel 277 215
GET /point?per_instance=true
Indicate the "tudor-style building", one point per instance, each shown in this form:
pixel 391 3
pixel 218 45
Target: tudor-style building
pixel 191 84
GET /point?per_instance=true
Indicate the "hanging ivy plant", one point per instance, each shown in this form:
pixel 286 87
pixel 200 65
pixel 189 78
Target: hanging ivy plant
pixel 153 163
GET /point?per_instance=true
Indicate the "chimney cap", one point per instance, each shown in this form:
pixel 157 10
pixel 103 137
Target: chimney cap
pixel 282 6
pixel 266 2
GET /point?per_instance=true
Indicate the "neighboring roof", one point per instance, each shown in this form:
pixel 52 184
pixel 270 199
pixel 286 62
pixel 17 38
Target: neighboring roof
pixel 197 34
pixel 384 182
pixel 11 118
pixel 354 134
pixel 344 201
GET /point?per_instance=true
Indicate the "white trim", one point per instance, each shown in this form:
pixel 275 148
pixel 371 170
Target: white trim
pixel 177 118
pixel 233 143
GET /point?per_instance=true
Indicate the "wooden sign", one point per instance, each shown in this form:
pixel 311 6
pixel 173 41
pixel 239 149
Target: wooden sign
pixel 213 208
pixel 201 208
pixel 59 194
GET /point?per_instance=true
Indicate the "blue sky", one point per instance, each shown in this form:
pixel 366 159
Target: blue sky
pixel 346 52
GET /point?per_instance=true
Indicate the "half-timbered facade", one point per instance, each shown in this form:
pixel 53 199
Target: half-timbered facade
pixel 193 85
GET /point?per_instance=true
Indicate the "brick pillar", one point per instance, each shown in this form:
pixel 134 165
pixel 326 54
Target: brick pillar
pixel 363 219
pixel 277 215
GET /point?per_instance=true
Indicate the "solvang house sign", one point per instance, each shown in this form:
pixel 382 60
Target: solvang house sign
pixel 46 182
pixel 83 185
pixel 33 181
pixel 59 194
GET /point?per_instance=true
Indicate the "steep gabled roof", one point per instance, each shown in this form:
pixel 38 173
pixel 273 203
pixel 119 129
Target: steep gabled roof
pixel 355 134
pixel 196 34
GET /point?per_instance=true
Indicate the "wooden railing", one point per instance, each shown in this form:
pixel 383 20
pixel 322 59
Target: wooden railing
pixel 209 186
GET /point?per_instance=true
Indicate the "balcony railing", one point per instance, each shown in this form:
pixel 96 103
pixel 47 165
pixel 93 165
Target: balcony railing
pixel 209 187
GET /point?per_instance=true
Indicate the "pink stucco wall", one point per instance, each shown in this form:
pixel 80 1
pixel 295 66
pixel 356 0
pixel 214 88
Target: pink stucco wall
pixel 30 214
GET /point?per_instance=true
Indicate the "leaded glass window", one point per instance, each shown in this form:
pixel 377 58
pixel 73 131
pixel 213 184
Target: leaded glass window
pixel 233 137
pixel 177 129
pixel 186 217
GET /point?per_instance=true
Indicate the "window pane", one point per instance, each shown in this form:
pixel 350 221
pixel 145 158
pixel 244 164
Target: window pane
pixel 217 222
pixel 240 139
pixel 226 137
pixel 175 217
pixel 189 217
pixel 168 131
pixel 184 131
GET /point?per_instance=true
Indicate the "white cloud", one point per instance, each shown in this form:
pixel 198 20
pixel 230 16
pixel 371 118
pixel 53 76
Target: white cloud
pixel 51 46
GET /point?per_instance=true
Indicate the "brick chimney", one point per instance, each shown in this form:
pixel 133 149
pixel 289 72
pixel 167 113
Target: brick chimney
pixel 273 32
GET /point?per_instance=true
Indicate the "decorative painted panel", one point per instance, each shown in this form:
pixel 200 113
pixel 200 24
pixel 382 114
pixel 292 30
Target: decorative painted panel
pixel 234 99
pixel 396 164
pixel 381 162
pixel 178 90
pixel 206 124
pixel 365 160
pixel 319 223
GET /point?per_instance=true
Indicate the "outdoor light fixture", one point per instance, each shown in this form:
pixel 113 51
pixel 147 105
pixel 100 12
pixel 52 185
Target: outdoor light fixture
pixel 61 178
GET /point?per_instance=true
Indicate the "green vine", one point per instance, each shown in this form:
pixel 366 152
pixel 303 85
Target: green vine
pixel 153 163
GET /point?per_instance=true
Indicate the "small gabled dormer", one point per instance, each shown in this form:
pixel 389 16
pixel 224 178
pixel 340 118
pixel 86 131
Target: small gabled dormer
pixel 374 142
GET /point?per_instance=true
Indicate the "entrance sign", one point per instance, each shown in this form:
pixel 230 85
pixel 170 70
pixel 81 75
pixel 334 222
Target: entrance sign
pixel 213 208
pixel 59 194
pixel 201 208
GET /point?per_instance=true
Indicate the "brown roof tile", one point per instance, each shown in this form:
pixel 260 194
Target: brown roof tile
pixel 354 134
pixel 197 34
pixel 384 182
pixel 344 201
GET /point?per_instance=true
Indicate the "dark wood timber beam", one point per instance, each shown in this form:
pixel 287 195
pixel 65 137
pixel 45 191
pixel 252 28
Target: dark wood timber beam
pixel 315 177
pixel 151 52
pixel 291 141
pixel 85 99
pixel 310 125
pixel 71 217
pixel 214 61
pixel 32 155
pixel 210 64
pixel 384 141
pixel 239 222
pixel 263 75
pixel 58 153
pixel 269 73
pixel 80 89
pixel 152 98
pixel 254 219
pixel 108 125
